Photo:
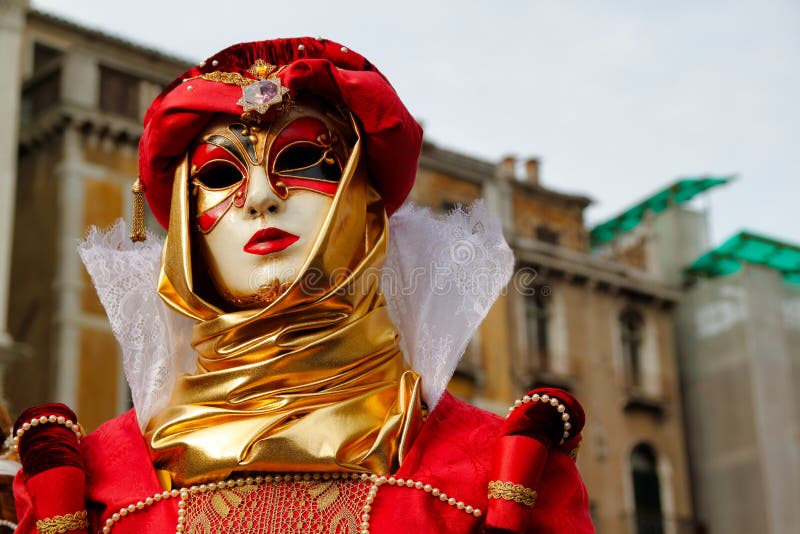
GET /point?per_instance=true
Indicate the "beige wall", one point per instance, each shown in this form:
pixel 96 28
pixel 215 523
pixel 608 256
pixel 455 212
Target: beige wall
pixel 585 355
pixel 105 195
pixel 76 168
pixel 531 211
pixel 433 188
pixel 739 360
pixel 32 296
pixel 595 372
pixel 36 296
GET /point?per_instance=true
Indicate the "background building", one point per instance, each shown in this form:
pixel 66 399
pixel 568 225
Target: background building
pixel 739 332
pixel 599 325
pixel 81 96
pixel 738 341
pixel 601 329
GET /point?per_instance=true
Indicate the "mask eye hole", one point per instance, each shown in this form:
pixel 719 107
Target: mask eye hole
pixel 218 175
pixel 307 161
pixel 298 157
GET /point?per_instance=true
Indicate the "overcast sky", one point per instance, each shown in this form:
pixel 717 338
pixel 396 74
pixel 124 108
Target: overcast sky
pixel 617 97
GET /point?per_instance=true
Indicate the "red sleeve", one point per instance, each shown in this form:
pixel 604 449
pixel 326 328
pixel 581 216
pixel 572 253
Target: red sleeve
pixel 26 520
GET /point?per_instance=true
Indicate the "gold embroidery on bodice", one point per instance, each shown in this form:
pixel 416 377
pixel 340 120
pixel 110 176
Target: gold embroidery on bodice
pixel 305 506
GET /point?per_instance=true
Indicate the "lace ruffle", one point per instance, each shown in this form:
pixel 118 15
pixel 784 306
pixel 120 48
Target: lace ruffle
pixel 154 339
pixel 441 277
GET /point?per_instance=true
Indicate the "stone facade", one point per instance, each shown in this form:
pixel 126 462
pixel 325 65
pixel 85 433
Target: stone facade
pixel 83 97
pixel 740 359
pixel 12 24
pixel 737 340
pixel 560 323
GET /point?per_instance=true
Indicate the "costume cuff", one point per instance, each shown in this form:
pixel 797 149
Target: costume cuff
pixel 57 491
pixel 517 467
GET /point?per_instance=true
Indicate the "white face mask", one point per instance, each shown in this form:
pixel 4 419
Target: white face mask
pixel 256 249
pixel 261 200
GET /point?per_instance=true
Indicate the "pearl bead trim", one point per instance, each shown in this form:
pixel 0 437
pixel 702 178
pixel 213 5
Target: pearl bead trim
pixel 546 399
pixel 377 482
pixel 7 523
pixel 43 420
pixel 125 510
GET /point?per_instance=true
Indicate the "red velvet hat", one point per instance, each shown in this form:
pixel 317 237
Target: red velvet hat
pixel 392 138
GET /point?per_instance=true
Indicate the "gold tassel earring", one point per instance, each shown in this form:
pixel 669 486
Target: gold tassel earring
pixel 137 226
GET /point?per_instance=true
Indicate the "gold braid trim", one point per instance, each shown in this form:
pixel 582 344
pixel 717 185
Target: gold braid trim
pixel 574 452
pixel 231 78
pixel 62 523
pixel 512 492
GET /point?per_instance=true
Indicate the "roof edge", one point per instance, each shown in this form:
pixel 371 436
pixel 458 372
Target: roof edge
pixel 100 34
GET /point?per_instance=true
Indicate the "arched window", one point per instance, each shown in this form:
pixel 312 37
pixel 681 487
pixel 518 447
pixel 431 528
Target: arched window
pixel 632 337
pixel 646 490
pixel 537 319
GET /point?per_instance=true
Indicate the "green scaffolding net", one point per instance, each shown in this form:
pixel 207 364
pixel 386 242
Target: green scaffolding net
pixel 729 257
pixel 681 191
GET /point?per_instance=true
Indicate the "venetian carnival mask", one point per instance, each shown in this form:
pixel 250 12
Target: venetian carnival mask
pixel 277 224
pixel 261 194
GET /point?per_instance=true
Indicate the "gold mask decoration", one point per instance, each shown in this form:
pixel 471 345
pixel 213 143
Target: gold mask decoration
pixel 314 380
pixel 261 198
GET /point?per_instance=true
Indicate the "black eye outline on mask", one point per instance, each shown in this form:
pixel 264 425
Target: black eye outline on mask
pixel 303 159
pixel 218 175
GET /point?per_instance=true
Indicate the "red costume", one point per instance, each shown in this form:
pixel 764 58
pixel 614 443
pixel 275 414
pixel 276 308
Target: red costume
pixel 452 453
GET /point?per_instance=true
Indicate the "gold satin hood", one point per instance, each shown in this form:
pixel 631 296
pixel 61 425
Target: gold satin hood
pixel 315 381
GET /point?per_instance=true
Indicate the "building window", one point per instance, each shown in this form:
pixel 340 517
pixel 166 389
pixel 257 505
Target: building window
pixel 43 93
pixel 537 320
pixel 119 92
pixel 546 234
pixel 646 490
pixel 44 55
pixel 632 338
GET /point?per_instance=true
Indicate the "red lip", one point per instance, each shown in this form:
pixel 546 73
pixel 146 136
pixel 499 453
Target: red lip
pixel 269 240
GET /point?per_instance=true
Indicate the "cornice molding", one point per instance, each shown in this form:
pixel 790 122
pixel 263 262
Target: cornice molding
pixel 600 273
pixel 53 121
pixel 479 171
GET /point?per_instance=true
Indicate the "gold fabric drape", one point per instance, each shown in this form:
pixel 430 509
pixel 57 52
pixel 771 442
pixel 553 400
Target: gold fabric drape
pixel 315 381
